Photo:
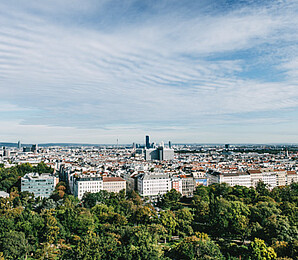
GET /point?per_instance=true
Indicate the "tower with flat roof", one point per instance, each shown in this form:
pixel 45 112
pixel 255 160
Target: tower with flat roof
pixel 147 145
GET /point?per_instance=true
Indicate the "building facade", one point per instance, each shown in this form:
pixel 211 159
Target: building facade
pixel 114 184
pixel 292 177
pixel 81 185
pixel 188 185
pixel 40 185
pixel 161 153
pixel 152 184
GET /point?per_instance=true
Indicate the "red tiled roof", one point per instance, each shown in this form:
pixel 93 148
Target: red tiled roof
pixel 107 179
pixel 254 171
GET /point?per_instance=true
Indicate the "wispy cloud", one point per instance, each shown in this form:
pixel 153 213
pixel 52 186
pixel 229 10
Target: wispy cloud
pixel 126 63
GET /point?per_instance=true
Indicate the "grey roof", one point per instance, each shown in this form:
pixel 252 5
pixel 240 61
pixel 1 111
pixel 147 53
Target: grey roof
pixel 88 178
pixel 153 176
pixel 4 194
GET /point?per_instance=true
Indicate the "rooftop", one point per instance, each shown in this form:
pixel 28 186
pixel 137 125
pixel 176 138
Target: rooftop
pixel 108 179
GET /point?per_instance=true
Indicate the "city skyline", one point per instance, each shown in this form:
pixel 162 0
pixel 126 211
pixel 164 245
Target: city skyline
pixel 185 71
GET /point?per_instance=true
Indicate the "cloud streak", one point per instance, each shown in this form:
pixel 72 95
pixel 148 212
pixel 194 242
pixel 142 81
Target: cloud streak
pixel 109 65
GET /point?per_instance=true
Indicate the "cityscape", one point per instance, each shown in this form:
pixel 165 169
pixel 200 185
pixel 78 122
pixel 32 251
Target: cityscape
pixel 164 177
pixel 153 169
pixel 149 130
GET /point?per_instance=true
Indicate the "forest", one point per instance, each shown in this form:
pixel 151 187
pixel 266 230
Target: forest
pixel 219 222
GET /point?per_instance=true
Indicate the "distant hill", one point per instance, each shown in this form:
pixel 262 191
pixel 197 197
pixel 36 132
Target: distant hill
pixel 7 144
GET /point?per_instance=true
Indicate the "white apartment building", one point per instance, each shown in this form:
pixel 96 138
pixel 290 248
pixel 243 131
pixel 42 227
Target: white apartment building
pixel 292 177
pixel 251 178
pixel 281 177
pixel 229 178
pixel 269 178
pixel 188 185
pixel 255 176
pixel 244 179
pixel 113 184
pixel 233 179
pixel 212 178
pixel 153 184
pixel 81 185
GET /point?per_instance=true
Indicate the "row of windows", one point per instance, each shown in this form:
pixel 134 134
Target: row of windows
pixel 88 183
pixel 37 184
pixel 48 181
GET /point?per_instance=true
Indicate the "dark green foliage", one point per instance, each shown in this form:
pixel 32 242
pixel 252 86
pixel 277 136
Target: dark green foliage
pixel 170 200
pixel 236 221
pixel 259 250
pixel 14 245
pixel 139 243
pixel 196 248
pixel 9 177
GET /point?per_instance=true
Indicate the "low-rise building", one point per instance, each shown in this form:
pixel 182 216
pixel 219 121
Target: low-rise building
pixel 200 178
pixel 244 179
pixel 84 184
pixel 292 177
pixel 281 177
pixel 176 184
pixel 270 179
pixel 213 177
pixel 153 184
pixel 114 184
pixel 40 185
pixel 255 176
pixel 231 178
pixel 188 185
pixel 161 153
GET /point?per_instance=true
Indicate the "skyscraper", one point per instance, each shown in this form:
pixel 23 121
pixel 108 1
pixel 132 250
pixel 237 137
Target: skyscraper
pixel 19 145
pixel 147 142
pixel 161 153
pixel 34 148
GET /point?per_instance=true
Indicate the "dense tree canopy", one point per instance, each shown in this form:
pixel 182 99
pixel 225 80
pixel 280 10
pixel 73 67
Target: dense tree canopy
pixel 219 222
pixel 9 176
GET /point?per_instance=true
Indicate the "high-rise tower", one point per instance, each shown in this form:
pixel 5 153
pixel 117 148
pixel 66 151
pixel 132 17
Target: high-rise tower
pixel 147 142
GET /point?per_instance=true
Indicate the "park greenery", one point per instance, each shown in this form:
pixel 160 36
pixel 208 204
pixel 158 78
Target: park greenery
pixel 10 177
pixel 219 222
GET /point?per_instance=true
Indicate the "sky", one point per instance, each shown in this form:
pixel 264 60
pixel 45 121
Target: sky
pixel 216 71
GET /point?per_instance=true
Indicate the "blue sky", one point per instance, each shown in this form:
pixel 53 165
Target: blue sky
pixel 187 71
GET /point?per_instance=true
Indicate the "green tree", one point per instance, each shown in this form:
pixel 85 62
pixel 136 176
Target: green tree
pixel 142 215
pixel 184 218
pixel 259 250
pixel 91 247
pixel 229 218
pixel 201 208
pixel 66 213
pixel 196 248
pixel 170 199
pixel 89 199
pixel 262 189
pixel 134 197
pixel 168 220
pixel 83 222
pixel 139 243
pixel 51 229
pixel 220 190
pixel 14 245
